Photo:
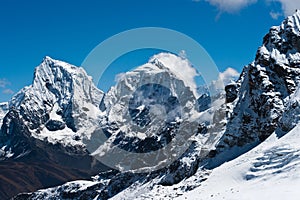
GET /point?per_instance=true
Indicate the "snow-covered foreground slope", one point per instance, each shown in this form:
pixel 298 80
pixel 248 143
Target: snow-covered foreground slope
pixel 269 171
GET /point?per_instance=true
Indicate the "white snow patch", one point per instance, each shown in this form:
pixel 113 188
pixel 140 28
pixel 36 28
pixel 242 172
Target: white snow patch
pixel 269 171
pixel 53 114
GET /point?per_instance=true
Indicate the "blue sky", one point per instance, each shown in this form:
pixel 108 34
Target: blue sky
pixel 68 30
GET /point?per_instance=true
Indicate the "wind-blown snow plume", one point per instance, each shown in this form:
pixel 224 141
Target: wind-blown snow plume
pixel 178 65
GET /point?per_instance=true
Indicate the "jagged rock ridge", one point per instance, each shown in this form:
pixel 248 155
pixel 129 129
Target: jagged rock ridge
pixel 261 94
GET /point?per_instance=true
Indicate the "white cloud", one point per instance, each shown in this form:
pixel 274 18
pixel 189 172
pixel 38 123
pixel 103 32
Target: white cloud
pixel 230 6
pixel 224 79
pixel 177 66
pixel 229 75
pixel 8 91
pixel 275 15
pixel 289 6
pixel 4 83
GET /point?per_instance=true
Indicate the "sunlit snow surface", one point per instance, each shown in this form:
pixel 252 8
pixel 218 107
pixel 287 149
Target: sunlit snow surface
pixel 269 171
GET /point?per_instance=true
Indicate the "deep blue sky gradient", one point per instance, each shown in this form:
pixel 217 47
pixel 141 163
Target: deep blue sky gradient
pixel 69 30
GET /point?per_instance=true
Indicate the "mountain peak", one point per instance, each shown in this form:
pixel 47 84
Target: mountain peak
pixel 49 62
pixel 47 58
pixel 297 13
pixel 176 65
pixel 60 100
pixel 292 23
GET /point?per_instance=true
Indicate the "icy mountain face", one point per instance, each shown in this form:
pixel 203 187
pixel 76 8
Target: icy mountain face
pixel 291 115
pixel 145 108
pixel 60 107
pixel 3 111
pixel 154 105
pixel 264 90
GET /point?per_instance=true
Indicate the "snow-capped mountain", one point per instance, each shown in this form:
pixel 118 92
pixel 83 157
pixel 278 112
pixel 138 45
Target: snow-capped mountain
pixel 138 103
pixel 43 127
pixel 60 107
pixel 261 113
pixel 145 110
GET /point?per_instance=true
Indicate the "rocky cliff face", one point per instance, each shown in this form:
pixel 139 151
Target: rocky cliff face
pixel 264 90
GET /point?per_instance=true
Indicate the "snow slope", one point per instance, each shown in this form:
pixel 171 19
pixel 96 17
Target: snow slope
pixel 269 171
